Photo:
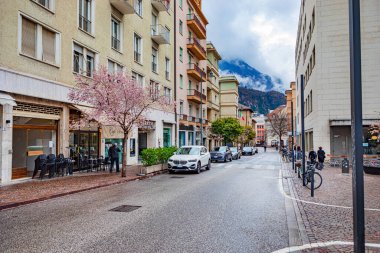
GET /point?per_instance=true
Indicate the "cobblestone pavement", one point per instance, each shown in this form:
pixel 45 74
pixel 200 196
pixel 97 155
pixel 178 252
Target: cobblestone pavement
pixel 36 189
pixel 327 223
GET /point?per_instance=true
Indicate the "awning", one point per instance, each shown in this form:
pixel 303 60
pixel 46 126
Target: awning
pixel 6 99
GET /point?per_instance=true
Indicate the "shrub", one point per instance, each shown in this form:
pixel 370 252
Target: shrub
pixel 154 156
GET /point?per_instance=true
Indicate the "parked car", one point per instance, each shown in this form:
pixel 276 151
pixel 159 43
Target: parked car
pixel 236 153
pixel 221 154
pixel 190 158
pixel 248 151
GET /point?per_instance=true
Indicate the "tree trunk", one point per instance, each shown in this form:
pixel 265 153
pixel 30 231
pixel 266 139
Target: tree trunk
pixel 125 155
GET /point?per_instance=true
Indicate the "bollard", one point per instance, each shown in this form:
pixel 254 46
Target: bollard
pixel 345 166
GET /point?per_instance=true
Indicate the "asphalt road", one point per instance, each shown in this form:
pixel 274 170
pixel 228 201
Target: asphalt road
pixel 234 207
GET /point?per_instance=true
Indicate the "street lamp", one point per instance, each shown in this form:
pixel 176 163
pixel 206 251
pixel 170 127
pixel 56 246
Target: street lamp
pixel 356 126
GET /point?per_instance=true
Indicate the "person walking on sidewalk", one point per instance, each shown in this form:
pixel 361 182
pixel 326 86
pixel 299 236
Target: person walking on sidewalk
pixel 265 147
pixel 321 157
pixel 113 153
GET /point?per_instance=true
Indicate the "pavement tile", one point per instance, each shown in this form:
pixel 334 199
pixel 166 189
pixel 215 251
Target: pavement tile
pixel 325 223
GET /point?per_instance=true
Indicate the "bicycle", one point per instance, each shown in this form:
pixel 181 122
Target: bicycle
pixel 310 170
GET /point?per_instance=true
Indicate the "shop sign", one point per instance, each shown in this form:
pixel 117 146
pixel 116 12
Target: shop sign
pixel 112 132
pixel 147 126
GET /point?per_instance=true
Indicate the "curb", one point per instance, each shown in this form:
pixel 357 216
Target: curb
pixel 27 202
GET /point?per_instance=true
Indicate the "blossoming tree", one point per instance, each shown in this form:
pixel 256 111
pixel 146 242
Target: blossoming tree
pixel 116 99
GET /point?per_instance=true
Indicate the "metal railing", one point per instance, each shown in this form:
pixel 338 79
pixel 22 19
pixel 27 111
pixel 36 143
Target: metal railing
pixel 196 93
pixel 115 43
pixel 84 24
pixel 197 69
pixel 194 17
pixel 196 43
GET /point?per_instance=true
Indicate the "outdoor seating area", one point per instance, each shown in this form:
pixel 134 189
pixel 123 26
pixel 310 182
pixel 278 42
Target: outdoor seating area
pixel 56 166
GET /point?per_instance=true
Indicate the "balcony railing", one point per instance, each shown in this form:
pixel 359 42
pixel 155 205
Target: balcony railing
pixel 183 117
pixel 84 24
pixel 196 25
pixel 196 96
pixel 160 34
pixel 161 5
pixel 124 6
pixel 190 119
pixel 196 48
pixel 196 72
pixel 115 43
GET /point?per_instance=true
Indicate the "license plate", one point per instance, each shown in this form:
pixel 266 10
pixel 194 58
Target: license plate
pixel 216 156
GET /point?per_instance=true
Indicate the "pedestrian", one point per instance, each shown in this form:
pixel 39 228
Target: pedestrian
pixel 321 157
pixel 265 147
pixel 312 156
pixel 299 153
pixel 113 154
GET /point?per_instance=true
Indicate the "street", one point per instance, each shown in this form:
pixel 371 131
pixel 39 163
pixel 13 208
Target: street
pixel 234 207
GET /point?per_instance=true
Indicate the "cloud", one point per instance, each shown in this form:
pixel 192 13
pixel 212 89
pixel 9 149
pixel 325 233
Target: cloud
pixel 260 32
pixel 246 81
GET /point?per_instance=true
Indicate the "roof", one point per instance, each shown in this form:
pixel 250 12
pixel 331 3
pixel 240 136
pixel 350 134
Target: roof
pixel 277 110
pixel 244 108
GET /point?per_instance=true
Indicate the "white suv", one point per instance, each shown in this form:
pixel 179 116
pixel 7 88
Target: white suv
pixel 190 158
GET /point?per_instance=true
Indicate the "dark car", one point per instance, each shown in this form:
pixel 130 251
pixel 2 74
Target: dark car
pixel 247 151
pixel 221 154
pixel 236 153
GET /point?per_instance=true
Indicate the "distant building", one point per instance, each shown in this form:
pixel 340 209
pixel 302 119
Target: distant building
pixel 291 102
pixel 273 139
pixel 229 97
pixel 260 129
pixel 245 115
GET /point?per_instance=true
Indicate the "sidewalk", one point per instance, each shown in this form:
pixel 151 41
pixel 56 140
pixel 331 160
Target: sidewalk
pixel 34 190
pixel 330 219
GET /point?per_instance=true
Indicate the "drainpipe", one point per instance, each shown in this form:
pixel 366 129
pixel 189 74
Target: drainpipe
pixel 175 75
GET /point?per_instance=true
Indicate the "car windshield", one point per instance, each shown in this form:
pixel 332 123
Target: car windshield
pixel 221 149
pixel 247 149
pixel 234 149
pixel 188 151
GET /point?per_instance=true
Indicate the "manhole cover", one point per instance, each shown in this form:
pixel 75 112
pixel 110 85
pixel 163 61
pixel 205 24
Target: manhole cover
pixel 176 177
pixel 125 208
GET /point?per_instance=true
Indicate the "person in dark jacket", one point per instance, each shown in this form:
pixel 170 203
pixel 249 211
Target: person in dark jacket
pixel 312 156
pixel 113 154
pixel 321 156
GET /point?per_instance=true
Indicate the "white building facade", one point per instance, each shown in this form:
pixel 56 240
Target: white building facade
pixel 323 58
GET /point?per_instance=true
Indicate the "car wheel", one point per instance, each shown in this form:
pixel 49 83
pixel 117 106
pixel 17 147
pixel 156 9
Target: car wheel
pixel 198 171
pixel 208 165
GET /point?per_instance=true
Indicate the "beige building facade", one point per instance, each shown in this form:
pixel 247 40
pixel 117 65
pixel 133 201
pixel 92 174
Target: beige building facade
pixel 45 44
pixel 323 58
pixel 229 97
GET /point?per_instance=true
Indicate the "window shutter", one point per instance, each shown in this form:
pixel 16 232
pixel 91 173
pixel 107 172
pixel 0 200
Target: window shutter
pixel 29 31
pixel 48 45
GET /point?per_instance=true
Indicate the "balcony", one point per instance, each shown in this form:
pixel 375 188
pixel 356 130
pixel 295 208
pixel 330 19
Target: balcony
pixel 196 72
pixel 196 48
pixel 213 106
pixel 124 6
pixel 160 34
pixel 191 119
pixel 183 117
pixel 196 26
pixel 161 5
pixel 196 96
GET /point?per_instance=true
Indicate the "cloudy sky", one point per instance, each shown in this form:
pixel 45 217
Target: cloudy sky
pixel 261 32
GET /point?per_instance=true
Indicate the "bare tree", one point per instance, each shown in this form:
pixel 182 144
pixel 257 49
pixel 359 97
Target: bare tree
pixel 279 123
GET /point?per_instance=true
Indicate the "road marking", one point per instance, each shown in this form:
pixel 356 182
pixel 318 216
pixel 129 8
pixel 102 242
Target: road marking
pixel 316 203
pixel 322 245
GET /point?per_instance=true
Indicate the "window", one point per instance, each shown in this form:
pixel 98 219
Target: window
pixel 39 42
pixel 154 89
pixel 167 94
pixel 181 107
pixel 139 7
pixel 167 69
pixel 48 4
pixel 181 54
pixel 115 35
pixel 85 15
pixel 114 67
pixel 180 3
pixel 181 81
pixel 139 79
pixel 137 48
pixel 181 27
pixel 84 60
pixel 190 110
pixel 154 59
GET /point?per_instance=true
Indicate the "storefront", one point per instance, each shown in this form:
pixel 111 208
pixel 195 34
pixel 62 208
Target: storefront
pixel 167 142
pixel 31 137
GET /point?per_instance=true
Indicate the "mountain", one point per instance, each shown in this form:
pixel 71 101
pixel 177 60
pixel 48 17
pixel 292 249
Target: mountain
pixel 258 91
pixel 250 77
pixel 261 101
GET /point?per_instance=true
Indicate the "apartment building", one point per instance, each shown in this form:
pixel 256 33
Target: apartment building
pixel 191 67
pixel 291 104
pixel 245 115
pixel 323 58
pixel 213 89
pixel 45 44
pixel 260 129
pixel 229 97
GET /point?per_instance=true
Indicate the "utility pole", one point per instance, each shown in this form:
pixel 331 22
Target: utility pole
pixel 356 127
pixel 201 109
pixel 303 130
pixel 292 147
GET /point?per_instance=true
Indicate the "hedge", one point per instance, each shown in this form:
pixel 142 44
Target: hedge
pixel 154 156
